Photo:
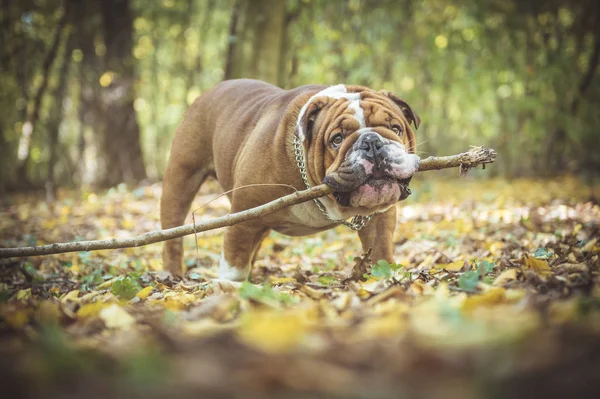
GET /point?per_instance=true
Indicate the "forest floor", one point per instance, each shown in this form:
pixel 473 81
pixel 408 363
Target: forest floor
pixel 496 294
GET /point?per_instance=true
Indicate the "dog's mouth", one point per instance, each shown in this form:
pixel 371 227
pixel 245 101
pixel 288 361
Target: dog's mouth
pixel 375 191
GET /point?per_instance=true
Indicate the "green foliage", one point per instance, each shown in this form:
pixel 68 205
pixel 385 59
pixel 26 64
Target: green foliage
pixel 543 253
pixel 91 279
pixel 473 73
pixel 468 280
pixel 326 280
pixel 384 269
pixel 125 288
pixel 264 294
pixel 485 267
pixel 195 276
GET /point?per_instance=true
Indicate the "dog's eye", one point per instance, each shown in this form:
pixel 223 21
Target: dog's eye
pixel 337 140
pixel 397 129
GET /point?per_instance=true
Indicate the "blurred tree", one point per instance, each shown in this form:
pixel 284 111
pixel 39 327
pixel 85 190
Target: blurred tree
pixel 122 151
pixel 256 40
pixel 106 83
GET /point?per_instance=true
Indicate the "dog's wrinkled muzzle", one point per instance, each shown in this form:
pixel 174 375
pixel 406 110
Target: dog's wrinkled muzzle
pixel 376 171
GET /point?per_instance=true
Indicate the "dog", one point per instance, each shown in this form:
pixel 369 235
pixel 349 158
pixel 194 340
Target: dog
pixel 246 132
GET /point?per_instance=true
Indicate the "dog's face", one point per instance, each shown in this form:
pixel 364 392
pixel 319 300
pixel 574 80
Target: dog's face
pixel 367 147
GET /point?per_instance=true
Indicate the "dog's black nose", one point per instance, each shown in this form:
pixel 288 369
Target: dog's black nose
pixel 371 144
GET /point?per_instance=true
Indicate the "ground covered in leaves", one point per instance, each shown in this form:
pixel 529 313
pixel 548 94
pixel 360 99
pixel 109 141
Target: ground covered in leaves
pixel 496 293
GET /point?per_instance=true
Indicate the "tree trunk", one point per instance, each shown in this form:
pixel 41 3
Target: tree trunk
pixel 32 119
pixel 256 35
pixel 122 151
pixel 56 115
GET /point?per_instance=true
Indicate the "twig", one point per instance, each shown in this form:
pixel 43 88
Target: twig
pixel 476 156
pixel 465 161
pixel 163 235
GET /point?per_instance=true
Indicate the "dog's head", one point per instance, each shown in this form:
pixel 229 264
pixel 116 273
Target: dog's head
pixel 361 144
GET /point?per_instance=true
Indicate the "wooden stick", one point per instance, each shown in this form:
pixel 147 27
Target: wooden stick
pixel 164 235
pixel 467 160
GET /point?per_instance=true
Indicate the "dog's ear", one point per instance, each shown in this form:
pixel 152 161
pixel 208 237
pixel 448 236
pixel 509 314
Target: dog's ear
pixel 406 109
pixel 307 120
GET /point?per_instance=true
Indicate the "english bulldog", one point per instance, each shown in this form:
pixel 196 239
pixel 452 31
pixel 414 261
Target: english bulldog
pixel 258 140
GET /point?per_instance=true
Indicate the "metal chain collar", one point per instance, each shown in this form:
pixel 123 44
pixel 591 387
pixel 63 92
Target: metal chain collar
pixel 356 223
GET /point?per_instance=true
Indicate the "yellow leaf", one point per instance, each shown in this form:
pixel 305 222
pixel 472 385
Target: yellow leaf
pixel 590 245
pixel 144 293
pixel 541 267
pixel 23 295
pixel 70 295
pixel 174 305
pixel 273 331
pixel 362 293
pixel 91 309
pixel 492 296
pixel 454 266
pixel 107 283
pixel 311 292
pixel 495 247
pixel 161 287
pixel 281 280
pixel 178 301
pixel 115 316
pixel 505 277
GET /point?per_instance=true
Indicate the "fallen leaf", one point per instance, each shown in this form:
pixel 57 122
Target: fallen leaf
pixel 144 293
pixel 541 267
pixel 492 296
pixel 505 277
pixel 23 295
pixel 116 317
pixel 272 331
pixel 454 266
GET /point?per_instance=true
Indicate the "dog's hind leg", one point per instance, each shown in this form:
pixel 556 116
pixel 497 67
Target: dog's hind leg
pixel 190 163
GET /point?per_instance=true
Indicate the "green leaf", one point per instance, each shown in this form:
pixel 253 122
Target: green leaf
pixel 195 276
pixel 396 266
pixel 326 280
pixel 543 253
pixel 484 267
pixel 468 280
pixel 266 293
pixel 382 269
pixel 125 288
pixel 249 291
pixel 30 268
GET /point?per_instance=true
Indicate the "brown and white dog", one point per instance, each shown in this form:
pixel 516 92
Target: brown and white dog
pixel 243 132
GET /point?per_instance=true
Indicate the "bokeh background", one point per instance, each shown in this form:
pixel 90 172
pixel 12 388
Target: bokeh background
pixel 92 91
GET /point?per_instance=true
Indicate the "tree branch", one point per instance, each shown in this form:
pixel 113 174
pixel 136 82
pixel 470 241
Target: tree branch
pixel 467 160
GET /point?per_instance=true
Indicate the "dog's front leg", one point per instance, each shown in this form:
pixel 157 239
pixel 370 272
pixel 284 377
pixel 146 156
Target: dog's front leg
pixel 378 234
